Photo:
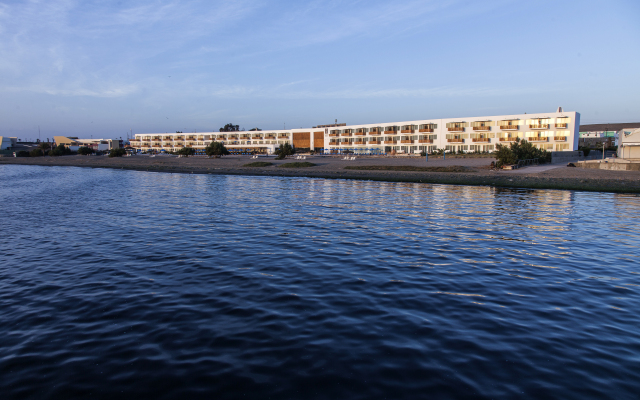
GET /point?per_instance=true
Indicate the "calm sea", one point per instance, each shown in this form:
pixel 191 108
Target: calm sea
pixel 150 285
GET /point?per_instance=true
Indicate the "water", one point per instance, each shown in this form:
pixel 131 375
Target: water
pixel 137 284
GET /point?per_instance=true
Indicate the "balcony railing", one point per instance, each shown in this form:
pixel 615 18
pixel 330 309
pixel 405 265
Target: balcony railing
pixel 425 141
pixel 269 137
pixel 345 134
pixel 389 132
pixel 542 126
pixel 425 130
pixel 455 140
pixel 482 140
pixel 360 133
pixel 331 135
pixel 456 129
pixel 508 139
pixel 406 141
pixel 481 128
pixel 389 142
pixel 374 132
pixel 407 131
pixel 285 136
pixel 564 125
pixel 256 137
pixel 334 143
pixel 560 138
pixel 509 127
pixel 374 142
pixel 359 142
pixel 538 139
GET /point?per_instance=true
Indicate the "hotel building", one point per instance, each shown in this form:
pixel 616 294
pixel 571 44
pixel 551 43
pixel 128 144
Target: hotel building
pixel 558 131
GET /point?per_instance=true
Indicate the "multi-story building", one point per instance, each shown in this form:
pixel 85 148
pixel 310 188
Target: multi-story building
pixel 551 131
pixel 556 131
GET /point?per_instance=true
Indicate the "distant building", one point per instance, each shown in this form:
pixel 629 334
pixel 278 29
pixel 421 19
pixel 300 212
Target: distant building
pixel 595 135
pixel 73 143
pixel 629 147
pixel 5 142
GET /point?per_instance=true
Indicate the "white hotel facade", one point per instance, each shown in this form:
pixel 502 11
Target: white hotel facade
pixel 557 131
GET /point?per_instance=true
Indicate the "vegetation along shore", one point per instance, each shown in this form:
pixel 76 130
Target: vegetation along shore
pixel 458 170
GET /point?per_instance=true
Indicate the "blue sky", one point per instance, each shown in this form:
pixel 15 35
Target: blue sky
pixel 97 68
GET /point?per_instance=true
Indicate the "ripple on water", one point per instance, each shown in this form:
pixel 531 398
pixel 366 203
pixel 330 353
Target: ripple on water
pixel 170 285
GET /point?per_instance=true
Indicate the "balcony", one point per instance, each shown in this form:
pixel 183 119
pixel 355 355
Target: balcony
pixel 508 139
pixel 389 142
pixel 538 139
pixel 360 133
pixel 425 130
pixel 191 139
pixel 270 137
pixel 334 143
pixel 406 141
pixel 481 128
pixel 374 132
pixel 509 127
pixel 455 129
pixel 561 125
pixel 455 140
pixel 540 126
pixel 560 138
pixel 407 131
pixel 178 145
pixel 482 140
pixel 345 134
pixel 286 136
pixel 375 142
pixel 425 141
pixel 359 142
pixel 256 138
pixel 331 135
pixel 389 132
pixel 233 138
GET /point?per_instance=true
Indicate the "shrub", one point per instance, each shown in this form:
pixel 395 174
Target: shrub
pixel 186 151
pixel 258 164
pixel 297 165
pixel 59 150
pixel 284 150
pixel 117 152
pixel 216 149
pixel 85 151
pixel 585 151
pixel 36 153
pixel 22 153
pixel 520 150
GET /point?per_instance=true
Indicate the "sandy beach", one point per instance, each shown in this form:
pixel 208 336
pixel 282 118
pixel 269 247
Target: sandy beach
pixel 475 170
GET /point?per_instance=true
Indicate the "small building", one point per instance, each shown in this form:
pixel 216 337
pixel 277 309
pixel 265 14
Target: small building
pixel 73 143
pixel 629 147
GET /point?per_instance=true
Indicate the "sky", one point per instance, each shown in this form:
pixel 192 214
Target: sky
pixel 106 69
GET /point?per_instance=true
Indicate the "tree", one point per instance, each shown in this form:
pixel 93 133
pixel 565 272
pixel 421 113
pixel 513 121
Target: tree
pixel 22 153
pixel 36 153
pixel 187 151
pixel 216 149
pixel 284 150
pixel 44 146
pixel 59 150
pixel 85 151
pixel 230 128
pixel 117 152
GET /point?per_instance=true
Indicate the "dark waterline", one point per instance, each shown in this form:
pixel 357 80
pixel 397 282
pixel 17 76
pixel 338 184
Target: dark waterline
pixel 155 285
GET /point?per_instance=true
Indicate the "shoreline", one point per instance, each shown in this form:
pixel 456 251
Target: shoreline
pixel 558 177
